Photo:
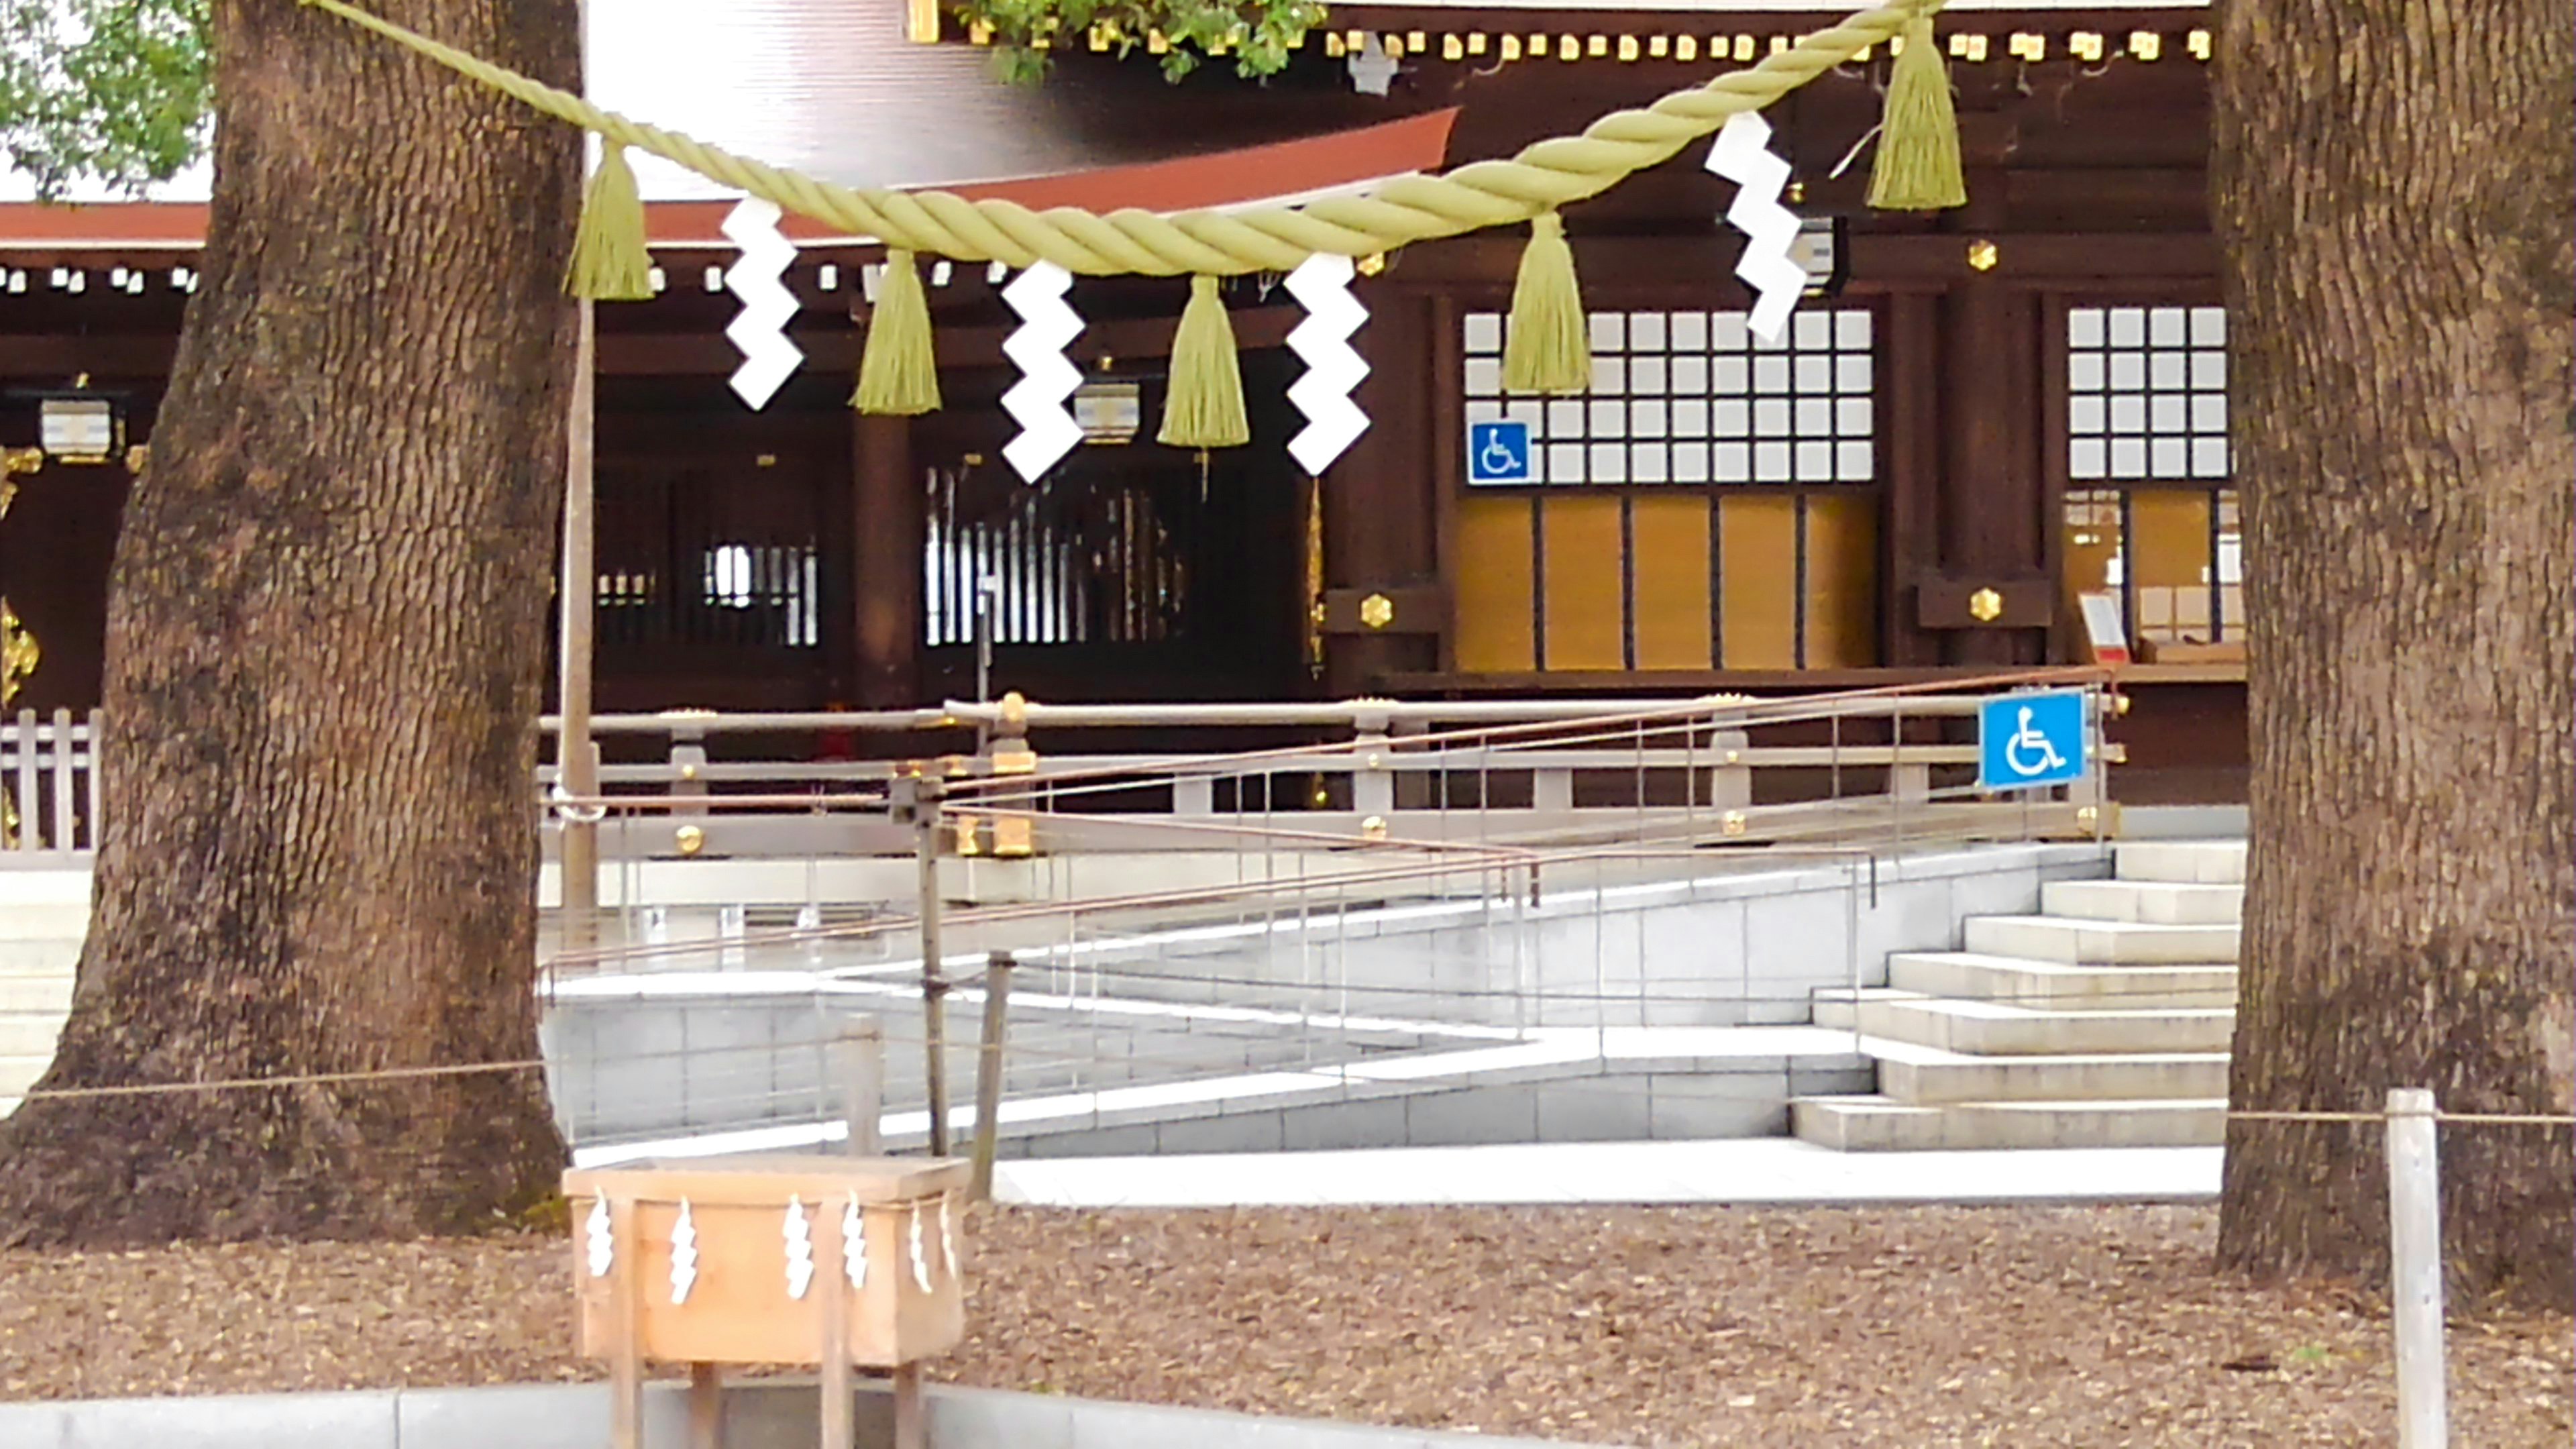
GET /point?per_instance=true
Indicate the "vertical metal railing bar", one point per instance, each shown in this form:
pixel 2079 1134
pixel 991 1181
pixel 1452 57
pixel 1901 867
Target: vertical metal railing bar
pixel 1851 944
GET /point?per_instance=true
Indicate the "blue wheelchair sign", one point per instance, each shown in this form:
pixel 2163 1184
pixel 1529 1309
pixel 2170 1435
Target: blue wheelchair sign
pixel 1498 452
pixel 2025 741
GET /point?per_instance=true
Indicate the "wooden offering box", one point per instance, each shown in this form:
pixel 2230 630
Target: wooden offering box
pixel 768 1259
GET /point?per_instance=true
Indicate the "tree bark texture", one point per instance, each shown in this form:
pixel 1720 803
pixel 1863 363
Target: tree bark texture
pixel 2393 183
pixel 325 651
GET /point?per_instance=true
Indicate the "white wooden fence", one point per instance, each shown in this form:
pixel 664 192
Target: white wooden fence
pixel 48 784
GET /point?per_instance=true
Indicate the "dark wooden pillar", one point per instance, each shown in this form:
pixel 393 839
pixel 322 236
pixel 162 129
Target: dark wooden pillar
pixel 1380 514
pixel 1909 543
pixel 1991 479
pixel 886 533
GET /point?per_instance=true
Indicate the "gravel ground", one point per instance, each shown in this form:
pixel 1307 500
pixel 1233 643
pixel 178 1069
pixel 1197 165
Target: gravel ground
pixel 2097 1327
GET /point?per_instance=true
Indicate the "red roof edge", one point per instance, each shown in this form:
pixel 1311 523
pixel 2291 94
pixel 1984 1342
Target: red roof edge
pixel 1224 178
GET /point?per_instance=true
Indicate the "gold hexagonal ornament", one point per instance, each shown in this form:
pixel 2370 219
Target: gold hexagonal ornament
pixel 1377 611
pixel 1985 606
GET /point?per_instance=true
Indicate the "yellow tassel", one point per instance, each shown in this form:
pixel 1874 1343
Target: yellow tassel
pixel 1203 401
pixel 1549 349
pixel 898 370
pixel 1917 168
pixel 609 259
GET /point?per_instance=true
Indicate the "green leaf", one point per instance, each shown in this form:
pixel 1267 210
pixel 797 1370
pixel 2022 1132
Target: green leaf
pixel 115 91
pixel 1259 36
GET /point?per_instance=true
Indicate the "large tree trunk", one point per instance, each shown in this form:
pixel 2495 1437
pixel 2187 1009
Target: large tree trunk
pixel 2393 185
pixel 325 645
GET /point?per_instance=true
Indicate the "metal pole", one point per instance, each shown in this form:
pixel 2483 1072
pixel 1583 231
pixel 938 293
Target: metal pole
pixel 988 1070
pixel 862 1063
pixel 934 1012
pixel 2415 1264
pixel 985 590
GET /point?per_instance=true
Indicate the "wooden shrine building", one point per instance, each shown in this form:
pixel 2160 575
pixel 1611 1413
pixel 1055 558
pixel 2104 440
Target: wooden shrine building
pixel 1982 417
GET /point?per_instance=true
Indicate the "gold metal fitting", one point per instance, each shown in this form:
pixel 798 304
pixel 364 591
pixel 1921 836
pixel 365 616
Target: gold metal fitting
pixel 970 838
pixel 2085 816
pixel 1370 265
pixel 1733 822
pixel 2145 45
pixel 690 839
pixel 2114 752
pixel 1373 828
pixel 1734 756
pixel 21 460
pixel 1377 611
pixel 1015 711
pixel 1015 837
pixel 1985 606
pixel 688 772
pixel 1982 255
pixel 2120 706
pixel 1015 762
pixel 136 456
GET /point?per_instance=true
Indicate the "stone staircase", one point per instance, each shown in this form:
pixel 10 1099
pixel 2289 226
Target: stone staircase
pixel 35 992
pixel 2102 1022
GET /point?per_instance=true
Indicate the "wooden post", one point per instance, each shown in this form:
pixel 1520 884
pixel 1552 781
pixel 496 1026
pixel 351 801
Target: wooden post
pixel 886 534
pixel 988 1072
pixel 626 1311
pixel 577 767
pixel 911 1426
pixel 862 1061
pixel 934 1012
pixel 706 1406
pixel 2415 1268
pixel 834 1354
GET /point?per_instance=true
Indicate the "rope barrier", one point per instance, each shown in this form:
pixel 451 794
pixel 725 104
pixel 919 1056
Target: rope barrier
pixel 1210 241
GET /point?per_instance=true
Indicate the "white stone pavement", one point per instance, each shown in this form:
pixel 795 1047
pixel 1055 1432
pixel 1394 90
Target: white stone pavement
pixel 1745 1171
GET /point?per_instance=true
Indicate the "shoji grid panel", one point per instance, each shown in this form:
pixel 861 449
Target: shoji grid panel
pixel 2146 394
pixel 1695 398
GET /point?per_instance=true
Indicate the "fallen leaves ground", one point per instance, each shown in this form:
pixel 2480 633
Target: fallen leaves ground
pixel 2098 1327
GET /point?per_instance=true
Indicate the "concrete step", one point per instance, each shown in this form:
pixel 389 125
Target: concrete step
pixel 2089 943
pixel 19 1071
pixel 45 920
pixel 1930 1076
pixel 1881 1124
pixel 29 1033
pixel 2182 862
pixel 49 991
pixel 38 957
pixel 2154 902
pixel 1971 976
pixel 1988 1028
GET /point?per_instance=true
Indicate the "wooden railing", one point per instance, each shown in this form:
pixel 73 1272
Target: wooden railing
pixel 1019 779
pixel 48 784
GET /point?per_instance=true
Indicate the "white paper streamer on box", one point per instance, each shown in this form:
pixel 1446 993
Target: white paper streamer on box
pixel 799 1230
pixel 684 1255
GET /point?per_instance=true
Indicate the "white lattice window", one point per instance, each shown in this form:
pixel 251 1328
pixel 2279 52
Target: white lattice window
pixel 2146 394
pixel 1696 398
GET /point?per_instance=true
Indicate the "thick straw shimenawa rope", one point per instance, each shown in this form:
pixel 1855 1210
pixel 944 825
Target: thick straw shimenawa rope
pixel 1544 176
